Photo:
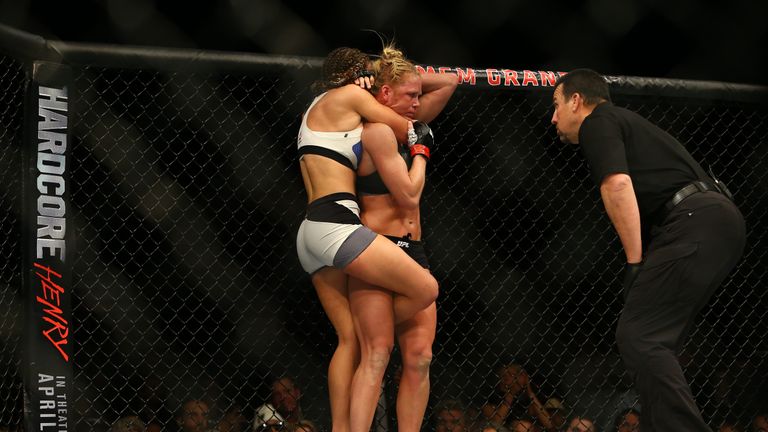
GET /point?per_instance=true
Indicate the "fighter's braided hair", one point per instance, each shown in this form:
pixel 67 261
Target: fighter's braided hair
pixel 342 66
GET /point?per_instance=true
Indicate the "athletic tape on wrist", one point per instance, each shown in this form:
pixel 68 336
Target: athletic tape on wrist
pixel 412 137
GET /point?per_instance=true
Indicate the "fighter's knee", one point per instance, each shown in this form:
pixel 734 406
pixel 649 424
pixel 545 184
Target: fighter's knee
pixel 379 347
pixel 378 358
pixel 349 344
pixel 418 361
pixel 347 337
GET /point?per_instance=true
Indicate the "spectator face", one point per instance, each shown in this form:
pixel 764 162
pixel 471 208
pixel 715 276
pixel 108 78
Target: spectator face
pixel 128 424
pixel 581 424
pixel 631 423
pixel 512 378
pixel 194 417
pixel 760 424
pixel 556 417
pixel 285 396
pixel 523 426
pixel 234 419
pixel 451 421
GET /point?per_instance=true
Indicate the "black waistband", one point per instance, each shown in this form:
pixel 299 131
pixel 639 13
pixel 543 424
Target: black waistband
pixel 325 209
pixel 688 190
pixel 414 249
pixel 404 239
pixel 338 196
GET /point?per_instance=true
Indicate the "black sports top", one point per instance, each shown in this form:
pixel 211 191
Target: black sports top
pixel 372 184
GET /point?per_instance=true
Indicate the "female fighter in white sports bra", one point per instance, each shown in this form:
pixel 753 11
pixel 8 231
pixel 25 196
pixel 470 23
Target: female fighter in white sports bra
pixel 332 242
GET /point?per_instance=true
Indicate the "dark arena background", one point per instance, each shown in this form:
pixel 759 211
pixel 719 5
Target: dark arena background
pixel 168 178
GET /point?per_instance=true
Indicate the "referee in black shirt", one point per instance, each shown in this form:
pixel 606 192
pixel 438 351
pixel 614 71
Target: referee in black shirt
pixel 692 236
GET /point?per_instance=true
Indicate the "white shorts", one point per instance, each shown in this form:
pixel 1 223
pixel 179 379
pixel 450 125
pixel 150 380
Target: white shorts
pixel 332 233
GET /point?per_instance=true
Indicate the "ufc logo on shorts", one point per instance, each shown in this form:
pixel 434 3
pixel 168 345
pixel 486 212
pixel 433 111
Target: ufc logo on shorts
pixel 403 244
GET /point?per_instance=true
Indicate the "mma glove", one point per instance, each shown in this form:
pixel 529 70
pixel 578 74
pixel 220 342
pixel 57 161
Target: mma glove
pixel 423 140
pixel 631 271
pixel 365 74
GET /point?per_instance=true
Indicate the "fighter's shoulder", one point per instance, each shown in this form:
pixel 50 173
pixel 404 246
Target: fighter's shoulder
pixel 375 130
pixel 378 138
pixel 343 93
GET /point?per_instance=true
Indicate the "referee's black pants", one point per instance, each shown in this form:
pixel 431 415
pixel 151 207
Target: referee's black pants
pixel 689 255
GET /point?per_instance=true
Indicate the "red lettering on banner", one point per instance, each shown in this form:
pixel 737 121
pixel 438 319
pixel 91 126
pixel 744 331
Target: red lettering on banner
pixel 510 78
pixel 467 76
pixel 529 78
pixel 421 70
pixel 494 78
pixel 51 300
pixel 547 78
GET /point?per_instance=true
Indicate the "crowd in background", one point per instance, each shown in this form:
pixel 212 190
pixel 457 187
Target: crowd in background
pixel 515 406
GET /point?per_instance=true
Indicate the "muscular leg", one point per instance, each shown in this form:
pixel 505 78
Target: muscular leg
pixel 331 286
pixel 384 265
pixel 373 317
pixel 415 337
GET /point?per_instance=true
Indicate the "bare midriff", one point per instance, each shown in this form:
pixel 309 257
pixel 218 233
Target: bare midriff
pixel 381 214
pixel 323 176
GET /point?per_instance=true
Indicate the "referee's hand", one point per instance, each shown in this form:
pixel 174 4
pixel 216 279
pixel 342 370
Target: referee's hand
pixel 631 270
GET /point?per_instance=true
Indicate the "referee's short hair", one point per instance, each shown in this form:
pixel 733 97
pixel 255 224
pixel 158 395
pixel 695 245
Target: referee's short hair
pixel 589 84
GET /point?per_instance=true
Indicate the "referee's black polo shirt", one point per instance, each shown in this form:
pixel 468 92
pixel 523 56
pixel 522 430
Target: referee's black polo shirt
pixel 617 140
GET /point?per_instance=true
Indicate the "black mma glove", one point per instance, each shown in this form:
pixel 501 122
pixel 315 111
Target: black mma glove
pixel 424 139
pixel 631 271
pixel 365 74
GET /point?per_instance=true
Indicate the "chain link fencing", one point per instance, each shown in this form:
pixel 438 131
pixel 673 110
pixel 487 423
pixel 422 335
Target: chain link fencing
pixel 12 83
pixel 186 198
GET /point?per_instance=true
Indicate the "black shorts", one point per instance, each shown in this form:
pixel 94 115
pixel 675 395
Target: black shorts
pixel 414 249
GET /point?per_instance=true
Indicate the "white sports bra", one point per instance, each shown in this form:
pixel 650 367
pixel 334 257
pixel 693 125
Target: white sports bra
pixel 345 148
